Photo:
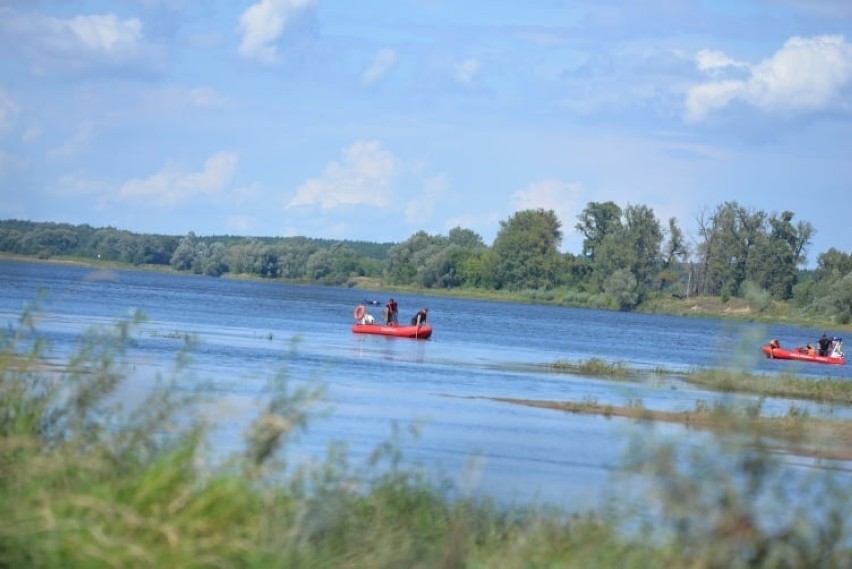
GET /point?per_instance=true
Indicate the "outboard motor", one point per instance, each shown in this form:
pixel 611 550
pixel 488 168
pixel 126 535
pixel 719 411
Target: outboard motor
pixel 836 348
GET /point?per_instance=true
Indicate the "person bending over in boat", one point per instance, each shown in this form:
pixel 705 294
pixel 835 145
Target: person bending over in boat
pixel 420 318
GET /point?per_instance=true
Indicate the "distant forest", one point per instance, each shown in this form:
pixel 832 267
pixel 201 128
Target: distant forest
pixel 628 258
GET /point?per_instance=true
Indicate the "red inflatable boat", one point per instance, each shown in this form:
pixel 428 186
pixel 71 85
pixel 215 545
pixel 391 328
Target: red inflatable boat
pixel 421 332
pixel 835 353
pixel 366 324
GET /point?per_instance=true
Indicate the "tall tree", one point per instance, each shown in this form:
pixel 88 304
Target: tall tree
pixel 596 222
pixel 527 250
pixel 634 246
pixel 184 255
pixel 728 236
pixel 833 264
pixel 406 258
pixel 676 248
pixel 465 238
pixel 773 261
pixel 645 236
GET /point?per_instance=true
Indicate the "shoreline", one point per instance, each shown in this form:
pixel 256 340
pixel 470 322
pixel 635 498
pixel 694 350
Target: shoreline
pixel 735 309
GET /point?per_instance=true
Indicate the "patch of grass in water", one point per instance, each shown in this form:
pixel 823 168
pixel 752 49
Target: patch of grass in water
pixel 821 390
pixel 592 366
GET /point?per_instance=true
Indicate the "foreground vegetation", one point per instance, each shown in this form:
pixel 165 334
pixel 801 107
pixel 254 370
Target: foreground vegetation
pixel 85 483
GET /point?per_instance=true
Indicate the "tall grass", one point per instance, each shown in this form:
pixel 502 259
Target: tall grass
pixel 786 385
pixel 86 483
pixel 592 366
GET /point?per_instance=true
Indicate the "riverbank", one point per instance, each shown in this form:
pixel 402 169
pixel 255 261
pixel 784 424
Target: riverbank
pixel 699 307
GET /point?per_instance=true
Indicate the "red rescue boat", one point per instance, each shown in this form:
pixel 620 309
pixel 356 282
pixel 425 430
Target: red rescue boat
pixel 366 324
pixel 834 355
pixel 422 332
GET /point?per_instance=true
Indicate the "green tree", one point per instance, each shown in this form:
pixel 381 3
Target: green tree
pixel 184 256
pixel 622 287
pixel 833 264
pixel 829 292
pixel 344 263
pixel 728 236
pixel 596 222
pixel 320 265
pixel 408 258
pixel 675 249
pixel 774 259
pixel 634 247
pixel 156 249
pixel 527 251
pixel 645 237
pixel 612 254
pixel 839 300
pixel 475 269
pixel 441 264
pixel 465 238
pixel 293 258
pixel 210 259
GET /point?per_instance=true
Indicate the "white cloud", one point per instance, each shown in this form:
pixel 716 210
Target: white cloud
pixel 31 134
pixel 80 42
pixel 9 164
pixel 806 74
pixel 263 23
pixel 383 62
pixel 363 176
pixel 171 186
pixel 78 141
pixel 8 111
pixel 467 70
pixel 238 224
pixel 76 185
pixel 702 99
pixel 206 97
pixel 712 62
pixel 421 208
pixel 102 33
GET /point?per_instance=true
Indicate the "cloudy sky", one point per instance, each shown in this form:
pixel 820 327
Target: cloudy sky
pixel 373 119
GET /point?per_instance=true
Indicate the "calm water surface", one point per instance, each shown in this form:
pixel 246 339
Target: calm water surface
pixel 248 331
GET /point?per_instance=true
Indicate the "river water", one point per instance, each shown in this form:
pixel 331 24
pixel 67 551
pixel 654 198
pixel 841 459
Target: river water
pixel 247 331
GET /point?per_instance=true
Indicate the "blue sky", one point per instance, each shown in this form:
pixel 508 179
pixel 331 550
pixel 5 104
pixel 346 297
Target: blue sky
pixel 374 119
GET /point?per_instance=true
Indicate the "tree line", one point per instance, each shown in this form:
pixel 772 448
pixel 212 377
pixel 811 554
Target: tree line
pixel 629 257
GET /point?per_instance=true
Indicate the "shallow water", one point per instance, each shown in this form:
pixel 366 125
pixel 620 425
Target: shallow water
pixel 248 331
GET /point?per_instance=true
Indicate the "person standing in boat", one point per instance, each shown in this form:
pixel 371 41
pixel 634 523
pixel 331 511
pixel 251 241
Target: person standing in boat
pixel 392 312
pixel 420 318
pixel 824 343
